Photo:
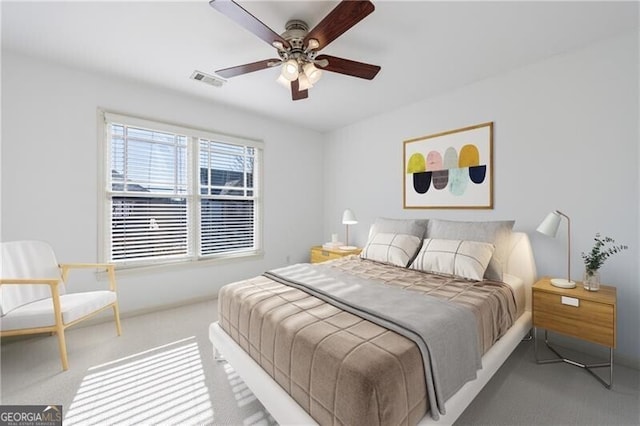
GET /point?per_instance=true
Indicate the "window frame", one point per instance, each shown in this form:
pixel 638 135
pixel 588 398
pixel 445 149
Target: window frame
pixel 193 196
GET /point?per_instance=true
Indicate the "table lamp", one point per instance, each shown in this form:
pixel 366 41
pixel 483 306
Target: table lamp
pixel 348 218
pixel 549 227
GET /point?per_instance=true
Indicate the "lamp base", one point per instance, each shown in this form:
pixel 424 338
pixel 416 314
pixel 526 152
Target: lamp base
pixel 348 248
pixel 562 283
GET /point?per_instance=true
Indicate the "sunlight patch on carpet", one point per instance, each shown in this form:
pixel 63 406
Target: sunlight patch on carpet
pixel 163 385
pixel 244 397
pixel 240 390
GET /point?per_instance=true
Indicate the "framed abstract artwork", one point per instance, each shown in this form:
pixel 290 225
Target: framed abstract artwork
pixel 452 169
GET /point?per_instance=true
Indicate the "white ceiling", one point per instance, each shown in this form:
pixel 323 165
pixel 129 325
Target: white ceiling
pixel 424 47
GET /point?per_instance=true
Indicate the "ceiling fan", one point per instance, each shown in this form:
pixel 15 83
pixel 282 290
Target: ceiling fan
pixel 297 47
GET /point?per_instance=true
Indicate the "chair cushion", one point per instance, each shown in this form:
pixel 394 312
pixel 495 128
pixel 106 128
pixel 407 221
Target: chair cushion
pixel 27 259
pixel 40 313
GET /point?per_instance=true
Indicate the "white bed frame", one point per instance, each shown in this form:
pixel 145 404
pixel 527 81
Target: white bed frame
pixel 286 411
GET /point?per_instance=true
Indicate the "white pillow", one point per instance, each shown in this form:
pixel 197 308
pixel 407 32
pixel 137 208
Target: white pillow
pixel 395 249
pixel 459 258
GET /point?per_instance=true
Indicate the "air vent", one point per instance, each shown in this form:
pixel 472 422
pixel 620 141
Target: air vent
pixel 208 79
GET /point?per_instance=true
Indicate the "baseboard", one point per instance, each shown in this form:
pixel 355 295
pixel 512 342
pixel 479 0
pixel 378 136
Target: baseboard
pixel 158 308
pixel 627 361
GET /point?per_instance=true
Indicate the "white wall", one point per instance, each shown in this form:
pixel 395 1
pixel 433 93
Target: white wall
pixel 565 137
pixel 49 177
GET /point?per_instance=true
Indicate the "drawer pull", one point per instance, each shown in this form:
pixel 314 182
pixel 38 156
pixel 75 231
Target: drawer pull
pixel 571 301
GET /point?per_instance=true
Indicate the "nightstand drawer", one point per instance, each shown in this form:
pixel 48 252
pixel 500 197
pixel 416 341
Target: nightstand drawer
pixel 319 254
pixel 592 321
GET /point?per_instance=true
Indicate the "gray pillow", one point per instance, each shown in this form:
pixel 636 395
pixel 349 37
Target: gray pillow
pixel 497 233
pixel 417 227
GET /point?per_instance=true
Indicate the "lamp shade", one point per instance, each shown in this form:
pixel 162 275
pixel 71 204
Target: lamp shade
pixel 283 81
pixel 304 82
pixel 549 225
pixel 348 218
pixel 290 70
pixel 312 72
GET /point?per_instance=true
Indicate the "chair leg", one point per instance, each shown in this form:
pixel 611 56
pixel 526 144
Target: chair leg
pixel 116 314
pixel 62 345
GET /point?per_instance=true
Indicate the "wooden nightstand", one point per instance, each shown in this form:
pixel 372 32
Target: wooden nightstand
pixel 319 254
pixel 576 312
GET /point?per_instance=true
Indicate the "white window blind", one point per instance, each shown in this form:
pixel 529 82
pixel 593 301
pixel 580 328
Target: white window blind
pixel 227 214
pixel 174 195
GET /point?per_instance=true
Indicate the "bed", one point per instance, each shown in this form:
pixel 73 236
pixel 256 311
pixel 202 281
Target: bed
pixel 344 367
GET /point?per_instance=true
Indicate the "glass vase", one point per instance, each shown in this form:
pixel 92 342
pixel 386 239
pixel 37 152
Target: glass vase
pixel 591 280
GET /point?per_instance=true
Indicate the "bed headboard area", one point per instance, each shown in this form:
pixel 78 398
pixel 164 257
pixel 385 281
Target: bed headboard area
pixel 521 262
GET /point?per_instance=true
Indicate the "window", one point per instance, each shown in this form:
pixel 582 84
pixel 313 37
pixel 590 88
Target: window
pixel 178 194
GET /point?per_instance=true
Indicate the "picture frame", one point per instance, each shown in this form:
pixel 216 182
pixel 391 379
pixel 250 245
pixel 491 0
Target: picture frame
pixel 449 170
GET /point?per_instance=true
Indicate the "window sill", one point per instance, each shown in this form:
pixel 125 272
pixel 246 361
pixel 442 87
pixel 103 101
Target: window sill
pixel 132 270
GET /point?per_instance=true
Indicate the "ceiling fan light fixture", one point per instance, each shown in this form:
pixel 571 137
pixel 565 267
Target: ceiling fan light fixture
pixel 290 69
pixel 284 82
pixel 312 73
pixel 304 82
pixel 297 47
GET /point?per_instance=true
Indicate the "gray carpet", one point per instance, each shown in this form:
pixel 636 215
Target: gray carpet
pixel 161 371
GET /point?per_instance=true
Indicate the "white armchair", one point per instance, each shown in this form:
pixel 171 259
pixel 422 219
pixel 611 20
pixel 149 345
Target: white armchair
pixel 33 297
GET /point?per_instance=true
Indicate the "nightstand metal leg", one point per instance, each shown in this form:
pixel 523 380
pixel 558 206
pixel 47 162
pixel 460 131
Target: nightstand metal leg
pixel 564 359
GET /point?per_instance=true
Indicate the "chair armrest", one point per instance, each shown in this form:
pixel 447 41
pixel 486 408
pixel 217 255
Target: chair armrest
pixel 109 267
pixel 86 265
pixel 30 281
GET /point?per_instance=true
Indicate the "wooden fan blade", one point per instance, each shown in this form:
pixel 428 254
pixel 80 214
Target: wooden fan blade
pixel 349 67
pixel 296 93
pixel 246 68
pixel 344 16
pixel 241 16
